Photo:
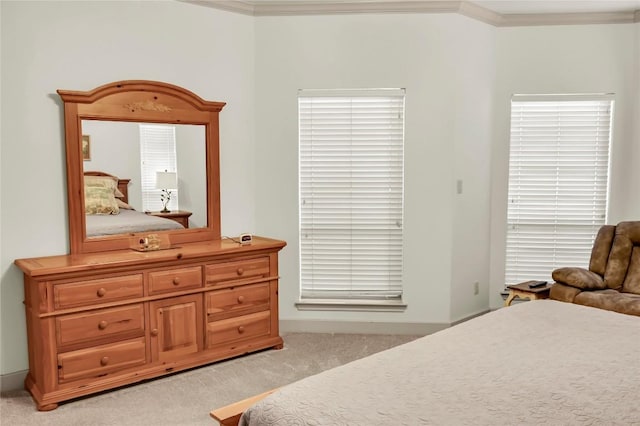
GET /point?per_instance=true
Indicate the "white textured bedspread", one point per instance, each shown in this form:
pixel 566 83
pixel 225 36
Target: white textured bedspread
pixel 535 363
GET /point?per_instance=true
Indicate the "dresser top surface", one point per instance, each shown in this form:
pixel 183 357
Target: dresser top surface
pixel 41 266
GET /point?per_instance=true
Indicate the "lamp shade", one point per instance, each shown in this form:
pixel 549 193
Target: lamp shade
pixel 166 180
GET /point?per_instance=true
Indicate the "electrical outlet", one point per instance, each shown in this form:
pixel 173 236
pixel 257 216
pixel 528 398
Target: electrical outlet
pixel 476 288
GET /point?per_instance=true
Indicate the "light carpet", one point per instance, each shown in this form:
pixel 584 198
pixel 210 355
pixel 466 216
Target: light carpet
pixel 186 398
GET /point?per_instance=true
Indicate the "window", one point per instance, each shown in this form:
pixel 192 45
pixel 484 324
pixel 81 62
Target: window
pixel 351 194
pixel 558 181
pixel 157 154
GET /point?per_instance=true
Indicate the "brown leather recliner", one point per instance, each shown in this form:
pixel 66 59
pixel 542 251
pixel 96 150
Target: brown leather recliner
pixel 613 279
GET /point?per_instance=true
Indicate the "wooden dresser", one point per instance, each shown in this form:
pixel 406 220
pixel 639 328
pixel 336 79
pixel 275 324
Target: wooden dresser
pixel 96 321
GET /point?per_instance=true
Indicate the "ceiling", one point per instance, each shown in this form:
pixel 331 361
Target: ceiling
pixel 494 12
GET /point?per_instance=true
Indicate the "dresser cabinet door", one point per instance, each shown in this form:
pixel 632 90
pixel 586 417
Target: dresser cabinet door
pixel 176 327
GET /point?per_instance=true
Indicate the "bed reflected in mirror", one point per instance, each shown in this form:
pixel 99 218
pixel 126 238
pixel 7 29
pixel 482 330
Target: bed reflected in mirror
pixel 136 152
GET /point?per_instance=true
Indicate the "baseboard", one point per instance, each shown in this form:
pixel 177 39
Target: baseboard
pixel 472 316
pixel 13 381
pixel 365 327
pixel 359 327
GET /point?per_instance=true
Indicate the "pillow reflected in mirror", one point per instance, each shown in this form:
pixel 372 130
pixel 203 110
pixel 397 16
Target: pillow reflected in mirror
pixel 100 200
pixel 105 182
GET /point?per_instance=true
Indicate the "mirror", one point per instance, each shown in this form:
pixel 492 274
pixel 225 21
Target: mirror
pixel 125 130
pixel 136 151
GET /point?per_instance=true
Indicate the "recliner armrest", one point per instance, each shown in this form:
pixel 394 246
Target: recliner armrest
pixel 579 278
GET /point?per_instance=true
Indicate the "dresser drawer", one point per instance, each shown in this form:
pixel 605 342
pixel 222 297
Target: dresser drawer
pixel 102 290
pixel 238 328
pixel 221 273
pixel 175 279
pixel 124 322
pixel 237 301
pixel 101 360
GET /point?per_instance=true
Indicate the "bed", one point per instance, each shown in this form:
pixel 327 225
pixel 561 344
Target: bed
pixel 539 362
pixel 108 212
pixel 127 221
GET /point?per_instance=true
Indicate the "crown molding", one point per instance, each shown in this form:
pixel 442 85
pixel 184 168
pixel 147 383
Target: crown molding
pixel 473 11
pixel 275 8
pixel 242 7
pixel 317 7
pixel 521 20
pixel 465 8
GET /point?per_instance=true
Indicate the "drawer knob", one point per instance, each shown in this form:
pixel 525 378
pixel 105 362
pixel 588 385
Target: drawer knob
pixel 240 299
pixel 104 360
pixel 101 292
pixel 240 271
pixel 241 329
pixel 176 281
pixel 154 332
pixel 102 325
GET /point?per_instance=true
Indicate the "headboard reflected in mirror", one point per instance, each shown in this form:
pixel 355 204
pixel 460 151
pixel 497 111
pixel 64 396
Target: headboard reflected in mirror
pixel 142 103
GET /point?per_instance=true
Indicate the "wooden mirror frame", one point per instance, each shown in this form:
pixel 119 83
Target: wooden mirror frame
pixel 138 101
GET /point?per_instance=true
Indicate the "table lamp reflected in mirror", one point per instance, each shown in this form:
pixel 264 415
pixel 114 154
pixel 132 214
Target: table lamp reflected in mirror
pixel 166 181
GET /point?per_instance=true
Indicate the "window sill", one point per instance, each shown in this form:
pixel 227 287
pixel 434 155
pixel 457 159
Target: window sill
pixel 351 305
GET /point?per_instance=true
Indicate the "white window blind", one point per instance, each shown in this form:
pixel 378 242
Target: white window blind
pixel 351 193
pixel 157 154
pixel 558 182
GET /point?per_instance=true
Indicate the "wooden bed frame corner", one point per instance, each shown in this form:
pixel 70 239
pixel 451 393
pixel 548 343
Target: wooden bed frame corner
pixel 229 415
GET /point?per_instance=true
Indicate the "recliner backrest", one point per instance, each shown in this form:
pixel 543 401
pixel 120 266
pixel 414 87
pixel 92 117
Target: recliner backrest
pixel 623 266
pixel 601 249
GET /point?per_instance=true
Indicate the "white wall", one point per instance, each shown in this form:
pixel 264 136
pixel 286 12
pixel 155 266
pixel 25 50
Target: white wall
pixel 566 59
pixel 436 58
pixel 82 45
pixel 472 167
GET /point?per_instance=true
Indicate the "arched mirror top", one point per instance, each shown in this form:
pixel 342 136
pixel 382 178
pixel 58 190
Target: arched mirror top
pixel 139 103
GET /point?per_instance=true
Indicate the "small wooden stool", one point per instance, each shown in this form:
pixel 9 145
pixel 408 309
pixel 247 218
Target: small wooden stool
pixel 523 291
